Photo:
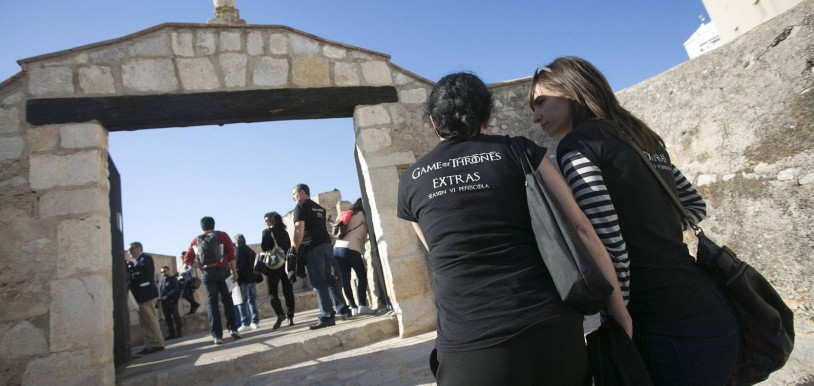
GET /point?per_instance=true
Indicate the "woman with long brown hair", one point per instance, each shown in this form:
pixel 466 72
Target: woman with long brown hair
pixel 683 327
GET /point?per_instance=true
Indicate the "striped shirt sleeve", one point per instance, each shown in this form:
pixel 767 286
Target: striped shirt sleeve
pixel 693 203
pixel 591 194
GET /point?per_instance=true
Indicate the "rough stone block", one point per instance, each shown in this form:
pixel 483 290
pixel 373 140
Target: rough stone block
pixel 107 56
pixel 789 174
pixel 76 169
pixel 77 307
pixel 234 69
pixel 197 74
pixel 302 45
pixel 278 44
pixel 371 116
pixel 83 135
pixel 706 179
pixel 270 72
pixel 375 139
pixel 230 41
pixel 334 52
pixel 14 182
pixel 206 43
pixel 149 75
pixel 150 46
pixel 310 71
pixel 23 340
pixel 414 96
pixel 96 80
pixel 50 81
pixel 9 120
pixel 376 73
pixel 401 78
pixel 255 43
pixel 13 98
pixel 41 138
pixel 346 74
pixel 182 44
pixel 81 201
pixel 68 368
pixel 807 179
pixel 11 147
pixel 84 246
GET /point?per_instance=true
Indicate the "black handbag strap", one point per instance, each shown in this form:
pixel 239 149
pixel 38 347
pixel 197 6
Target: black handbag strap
pixel 676 203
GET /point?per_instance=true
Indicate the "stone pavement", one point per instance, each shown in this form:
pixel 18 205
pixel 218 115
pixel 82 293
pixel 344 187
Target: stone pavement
pixel 362 351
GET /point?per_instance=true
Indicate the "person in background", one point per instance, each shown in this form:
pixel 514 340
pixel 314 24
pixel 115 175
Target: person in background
pixel 214 281
pixel 683 326
pixel 170 293
pixel 275 234
pixel 348 252
pixel 144 290
pixel 188 291
pixel 500 318
pixel 247 280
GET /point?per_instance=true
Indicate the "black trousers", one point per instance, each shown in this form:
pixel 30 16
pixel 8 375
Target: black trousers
pixel 549 353
pixel 171 316
pixel 274 277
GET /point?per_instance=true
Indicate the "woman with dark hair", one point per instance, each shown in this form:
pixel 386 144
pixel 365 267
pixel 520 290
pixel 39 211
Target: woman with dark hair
pixel 683 327
pixel 348 251
pixel 275 234
pixel 500 318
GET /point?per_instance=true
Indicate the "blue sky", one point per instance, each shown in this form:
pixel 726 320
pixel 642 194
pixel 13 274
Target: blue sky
pixel 235 173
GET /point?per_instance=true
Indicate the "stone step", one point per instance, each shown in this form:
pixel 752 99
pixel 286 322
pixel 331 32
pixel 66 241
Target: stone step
pixel 195 357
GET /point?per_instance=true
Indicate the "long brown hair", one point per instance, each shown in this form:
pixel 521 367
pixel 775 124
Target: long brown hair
pixel 592 99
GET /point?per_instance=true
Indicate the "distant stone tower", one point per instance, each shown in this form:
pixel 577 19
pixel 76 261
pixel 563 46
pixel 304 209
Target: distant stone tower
pixel 226 13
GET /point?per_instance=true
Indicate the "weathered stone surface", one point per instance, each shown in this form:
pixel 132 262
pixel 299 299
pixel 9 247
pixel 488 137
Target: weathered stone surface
pixel 270 72
pixel 376 73
pixel 13 98
pixel 206 43
pixel 11 147
pixel 234 69
pixel 83 135
pixel 68 368
pixel 41 138
pixel 414 96
pixel 83 246
pixel 149 75
pixel 371 116
pixel 23 340
pixel 278 44
pixel 255 43
pixel 75 306
pixel 96 80
pixel 401 78
pixel 310 71
pixel 50 81
pixel 302 45
pixel 197 74
pixel 14 182
pixel 81 201
pixel 107 56
pixel 9 120
pixel 334 52
pixel 807 179
pixel 150 46
pixel 49 170
pixel 376 139
pixel 182 44
pixel 230 41
pixel 346 74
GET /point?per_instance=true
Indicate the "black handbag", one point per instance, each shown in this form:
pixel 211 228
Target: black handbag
pixel 766 323
pixel 578 279
pixel 614 359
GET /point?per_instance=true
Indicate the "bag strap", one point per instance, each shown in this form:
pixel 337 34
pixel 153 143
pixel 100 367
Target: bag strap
pixel 673 198
pixel 515 145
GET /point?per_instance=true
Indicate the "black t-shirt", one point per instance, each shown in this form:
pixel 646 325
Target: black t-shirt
pixel 316 231
pixel 468 196
pixel 664 280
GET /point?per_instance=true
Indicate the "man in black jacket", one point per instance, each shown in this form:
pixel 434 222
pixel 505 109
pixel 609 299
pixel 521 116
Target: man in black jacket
pixel 170 293
pixel 142 285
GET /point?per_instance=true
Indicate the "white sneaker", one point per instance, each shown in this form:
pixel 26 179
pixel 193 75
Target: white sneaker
pixel 243 328
pixel 218 341
pixel 354 311
pixel 363 310
pixel 253 326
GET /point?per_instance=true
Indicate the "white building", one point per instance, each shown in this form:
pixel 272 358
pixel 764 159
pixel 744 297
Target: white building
pixel 704 39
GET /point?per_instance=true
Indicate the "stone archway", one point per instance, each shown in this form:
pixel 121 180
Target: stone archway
pixel 54 121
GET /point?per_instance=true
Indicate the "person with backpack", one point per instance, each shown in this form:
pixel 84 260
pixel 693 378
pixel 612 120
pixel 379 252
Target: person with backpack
pixel 247 280
pixel 275 234
pixel 214 253
pixel 350 231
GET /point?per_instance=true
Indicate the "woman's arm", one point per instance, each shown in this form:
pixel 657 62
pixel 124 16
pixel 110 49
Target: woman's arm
pixel 420 234
pixel 584 229
pixel 694 205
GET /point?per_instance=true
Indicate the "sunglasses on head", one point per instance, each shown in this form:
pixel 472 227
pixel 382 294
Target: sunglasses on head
pixel 541 68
